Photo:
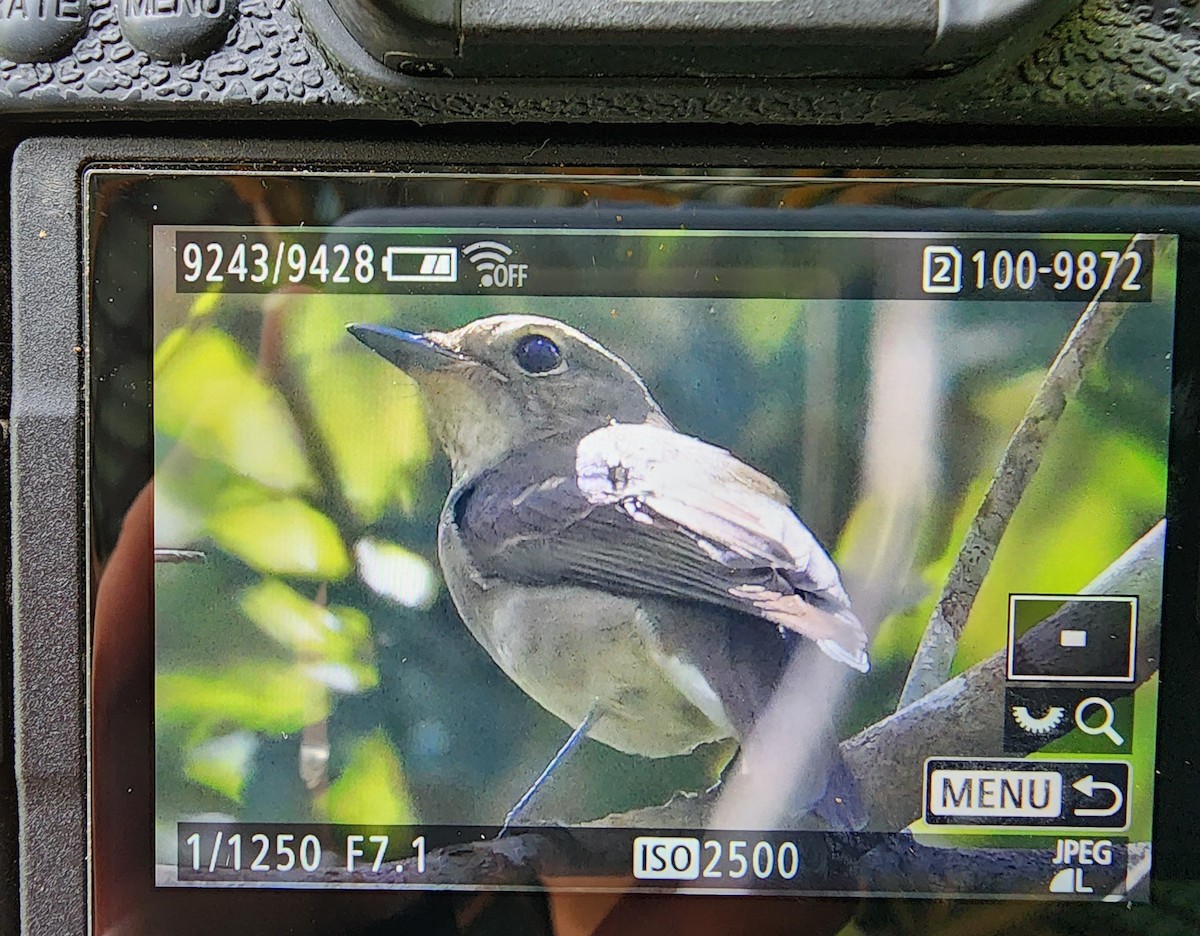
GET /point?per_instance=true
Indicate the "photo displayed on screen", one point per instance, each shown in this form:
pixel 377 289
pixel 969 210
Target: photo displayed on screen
pixel 805 562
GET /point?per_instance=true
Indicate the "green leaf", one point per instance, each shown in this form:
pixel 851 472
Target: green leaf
pixel 208 397
pixel 372 418
pixel 222 763
pixel 335 634
pixel 206 303
pixel 316 322
pixel 264 695
pixel 282 537
pixel 167 347
pixel 343 678
pixel 369 413
pixel 371 789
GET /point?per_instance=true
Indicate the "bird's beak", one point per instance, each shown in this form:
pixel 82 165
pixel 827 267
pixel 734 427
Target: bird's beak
pixel 412 352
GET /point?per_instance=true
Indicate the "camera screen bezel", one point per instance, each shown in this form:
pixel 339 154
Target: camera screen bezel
pixel 52 589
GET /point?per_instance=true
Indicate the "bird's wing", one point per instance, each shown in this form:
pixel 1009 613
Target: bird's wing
pixel 645 510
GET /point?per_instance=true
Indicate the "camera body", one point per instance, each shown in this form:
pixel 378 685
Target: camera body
pixel 95 96
pixel 1100 64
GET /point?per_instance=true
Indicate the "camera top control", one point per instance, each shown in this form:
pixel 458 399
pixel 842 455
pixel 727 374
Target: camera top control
pixel 39 31
pixel 66 54
pixel 452 36
pixel 1003 62
pixel 175 29
pixel 42 30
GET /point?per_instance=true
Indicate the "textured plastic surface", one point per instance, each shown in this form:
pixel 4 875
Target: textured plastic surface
pixel 395 31
pixel 49 581
pixel 586 39
pixel 1108 62
pixel 8 780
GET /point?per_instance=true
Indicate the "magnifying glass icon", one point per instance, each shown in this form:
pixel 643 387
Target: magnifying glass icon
pixel 1106 723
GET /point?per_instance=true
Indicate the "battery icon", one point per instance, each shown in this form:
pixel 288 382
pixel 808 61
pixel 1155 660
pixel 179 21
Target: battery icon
pixel 421 264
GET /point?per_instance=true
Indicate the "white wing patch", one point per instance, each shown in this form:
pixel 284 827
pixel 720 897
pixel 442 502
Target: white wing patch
pixel 548 485
pixel 696 689
pixel 732 511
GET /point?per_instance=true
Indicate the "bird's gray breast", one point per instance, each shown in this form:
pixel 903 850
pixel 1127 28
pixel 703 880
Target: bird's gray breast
pixel 569 647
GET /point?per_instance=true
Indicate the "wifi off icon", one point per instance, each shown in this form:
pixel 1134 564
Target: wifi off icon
pixel 492 260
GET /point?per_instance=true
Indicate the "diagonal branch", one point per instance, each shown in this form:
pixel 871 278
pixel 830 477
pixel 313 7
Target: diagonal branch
pixel 960 716
pixel 885 759
pixel 1019 463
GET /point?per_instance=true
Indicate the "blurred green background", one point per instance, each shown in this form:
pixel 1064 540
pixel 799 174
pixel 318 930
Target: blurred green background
pixel 313 667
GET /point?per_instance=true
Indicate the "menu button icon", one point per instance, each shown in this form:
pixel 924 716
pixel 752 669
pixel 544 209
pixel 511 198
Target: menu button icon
pixel 1027 794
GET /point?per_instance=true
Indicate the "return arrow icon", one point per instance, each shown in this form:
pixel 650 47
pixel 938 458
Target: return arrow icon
pixel 1089 786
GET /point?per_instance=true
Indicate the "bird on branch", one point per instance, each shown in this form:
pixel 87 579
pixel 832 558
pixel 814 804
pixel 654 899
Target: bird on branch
pixel 644 586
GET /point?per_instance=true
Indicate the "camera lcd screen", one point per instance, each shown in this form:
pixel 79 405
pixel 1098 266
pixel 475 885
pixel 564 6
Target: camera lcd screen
pixel 798 538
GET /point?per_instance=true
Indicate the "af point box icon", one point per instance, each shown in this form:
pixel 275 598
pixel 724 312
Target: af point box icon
pixel 1080 638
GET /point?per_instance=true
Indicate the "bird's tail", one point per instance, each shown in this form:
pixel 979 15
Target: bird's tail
pixel 850 645
pixel 833 627
pixel 835 651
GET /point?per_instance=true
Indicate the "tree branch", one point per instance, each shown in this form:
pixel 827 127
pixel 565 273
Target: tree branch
pixel 1019 463
pixel 959 717
pixel 850 863
pixel 886 760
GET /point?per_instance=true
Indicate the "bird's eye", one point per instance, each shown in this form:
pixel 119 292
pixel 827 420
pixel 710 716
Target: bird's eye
pixel 537 354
